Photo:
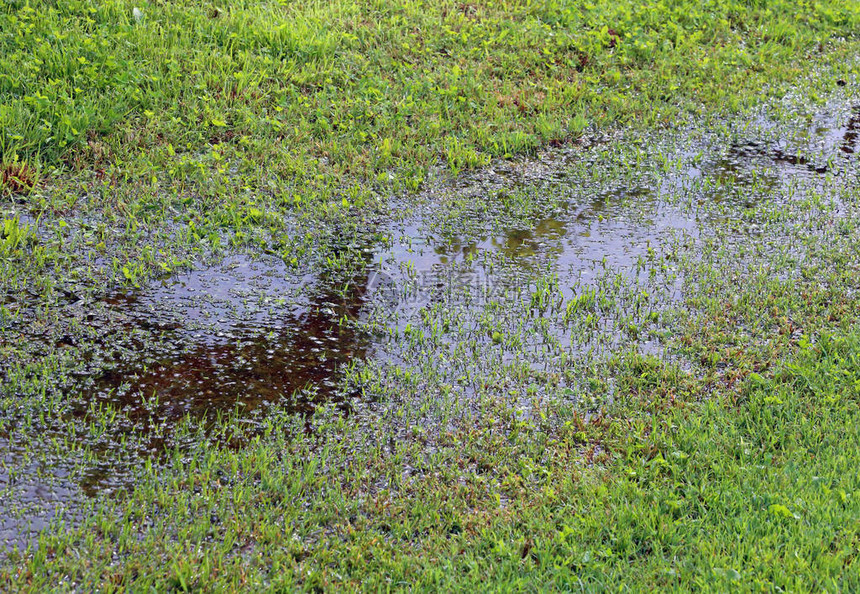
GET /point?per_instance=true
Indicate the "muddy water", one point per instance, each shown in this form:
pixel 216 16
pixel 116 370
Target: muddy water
pixel 245 334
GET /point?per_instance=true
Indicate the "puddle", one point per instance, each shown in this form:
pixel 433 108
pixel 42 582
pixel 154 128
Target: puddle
pixel 611 231
pixel 248 334
pixel 244 335
pixel 33 496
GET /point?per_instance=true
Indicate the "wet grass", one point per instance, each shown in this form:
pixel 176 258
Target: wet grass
pixel 180 129
pixel 625 359
pixel 520 434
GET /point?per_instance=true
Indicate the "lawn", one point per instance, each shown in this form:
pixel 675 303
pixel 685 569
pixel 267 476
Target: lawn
pixel 429 296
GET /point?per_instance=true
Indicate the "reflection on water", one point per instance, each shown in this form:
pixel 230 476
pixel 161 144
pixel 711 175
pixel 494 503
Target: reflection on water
pixel 612 229
pixel 242 335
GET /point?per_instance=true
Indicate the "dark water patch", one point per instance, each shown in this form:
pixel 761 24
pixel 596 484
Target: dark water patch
pixel 126 377
pixel 750 171
pixel 852 133
pixel 779 156
pixel 242 336
pixel 834 131
pixel 751 152
pixel 165 367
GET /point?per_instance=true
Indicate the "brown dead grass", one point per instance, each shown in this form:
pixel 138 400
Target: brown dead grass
pixel 17 178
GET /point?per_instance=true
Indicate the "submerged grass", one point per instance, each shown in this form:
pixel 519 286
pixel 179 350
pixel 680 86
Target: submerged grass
pixel 519 440
pixel 753 489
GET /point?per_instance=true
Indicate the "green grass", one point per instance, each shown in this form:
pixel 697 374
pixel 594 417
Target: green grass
pixel 518 443
pixel 753 490
pixel 374 85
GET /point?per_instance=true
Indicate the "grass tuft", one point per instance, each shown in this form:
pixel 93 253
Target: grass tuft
pixel 18 178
